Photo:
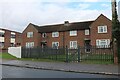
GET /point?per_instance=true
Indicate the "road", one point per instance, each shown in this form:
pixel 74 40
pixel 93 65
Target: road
pixel 18 72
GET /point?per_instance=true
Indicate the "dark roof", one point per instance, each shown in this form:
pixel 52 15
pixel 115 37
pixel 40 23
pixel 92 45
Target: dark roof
pixel 61 27
pixel 10 30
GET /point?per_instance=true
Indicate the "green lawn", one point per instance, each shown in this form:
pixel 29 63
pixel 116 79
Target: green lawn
pixel 10 57
pixel 6 56
pixel 89 59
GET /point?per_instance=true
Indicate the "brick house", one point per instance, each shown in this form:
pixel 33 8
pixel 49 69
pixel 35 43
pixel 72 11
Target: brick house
pixel 9 38
pixel 87 33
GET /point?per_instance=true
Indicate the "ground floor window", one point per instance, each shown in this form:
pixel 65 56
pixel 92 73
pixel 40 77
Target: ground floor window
pixel 55 45
pixel 73 44
pixel 1 44
pixel 29 44
pixel 12 44
pixel 102 43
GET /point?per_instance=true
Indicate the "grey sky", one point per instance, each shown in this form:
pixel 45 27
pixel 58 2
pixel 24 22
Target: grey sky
pixel 17 14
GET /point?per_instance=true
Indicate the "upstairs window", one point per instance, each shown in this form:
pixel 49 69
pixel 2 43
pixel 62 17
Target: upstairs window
pixel 87 32
pixel 102 29
pixel 2 33
pixel 12 35
pixel 73 33
pixel 55 34
pixel 29 34
pixel 44 35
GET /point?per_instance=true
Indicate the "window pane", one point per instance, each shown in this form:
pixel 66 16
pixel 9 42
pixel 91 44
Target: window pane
pixel 86 32
pixel 73 33
pixel 73 44
pixel 102 29
pixel 29 34
pixel 103 43
pixel 55 44
pixel 55 34
pixel 1 34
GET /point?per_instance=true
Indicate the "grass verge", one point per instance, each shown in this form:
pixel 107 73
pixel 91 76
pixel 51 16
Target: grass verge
pixel 6 56
pixel 95 59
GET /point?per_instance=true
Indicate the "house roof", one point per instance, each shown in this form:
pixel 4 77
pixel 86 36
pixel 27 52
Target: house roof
pixel 10 30
pixel 62 27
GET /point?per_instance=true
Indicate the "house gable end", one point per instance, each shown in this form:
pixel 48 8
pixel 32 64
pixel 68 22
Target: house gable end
pixel 30 25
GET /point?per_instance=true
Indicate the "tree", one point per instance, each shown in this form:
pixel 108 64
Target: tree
pixel 115 28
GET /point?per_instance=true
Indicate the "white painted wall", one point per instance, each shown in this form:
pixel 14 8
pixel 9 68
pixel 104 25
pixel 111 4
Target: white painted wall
pixel 15 51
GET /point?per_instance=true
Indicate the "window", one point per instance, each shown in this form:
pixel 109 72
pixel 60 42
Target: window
pixel 18 44
pixel 2 34
pixel 29 34
pixel 102 29
pixel 73 33
pixel 30 44
pixel 73 44
pixel 55 45
pixel 44 35
pixel 12 44
pixel 1 44
pixel 102 43
pixel 12 35
pixel 87 32
pixel 55 34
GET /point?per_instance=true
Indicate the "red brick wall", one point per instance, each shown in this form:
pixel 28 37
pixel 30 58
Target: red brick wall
pixel 7 39
pixel 80 38
pixel 36 36
pixel 65 38
pixel 102 20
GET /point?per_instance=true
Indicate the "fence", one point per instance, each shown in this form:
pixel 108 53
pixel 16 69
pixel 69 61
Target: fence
pixel 15 51
pixel 44 53
pixel 81 54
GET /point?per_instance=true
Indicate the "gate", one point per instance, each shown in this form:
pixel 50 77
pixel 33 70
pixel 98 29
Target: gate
pixel 73 55
pixel 95 55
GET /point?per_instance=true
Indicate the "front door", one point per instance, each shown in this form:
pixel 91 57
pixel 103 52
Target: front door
pixel 43 44
pixel 87 46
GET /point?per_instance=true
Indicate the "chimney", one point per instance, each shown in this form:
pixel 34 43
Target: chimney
pixel 66 23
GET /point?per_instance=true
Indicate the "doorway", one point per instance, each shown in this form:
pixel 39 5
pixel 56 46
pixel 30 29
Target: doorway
pixel 87 46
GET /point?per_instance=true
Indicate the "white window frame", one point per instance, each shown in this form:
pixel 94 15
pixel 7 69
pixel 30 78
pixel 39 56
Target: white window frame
pixel 87 32
pixel 29 44
pixel 73 33
pixel 72 45
pixel 99 43
pixel 2 44
pixel 29 34
pixel 55 44
pixel 13 35
pixel 55 34
pixel 44 35
pixel 102 27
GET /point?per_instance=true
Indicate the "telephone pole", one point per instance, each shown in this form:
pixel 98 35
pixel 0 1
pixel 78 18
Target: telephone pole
pixel 115 32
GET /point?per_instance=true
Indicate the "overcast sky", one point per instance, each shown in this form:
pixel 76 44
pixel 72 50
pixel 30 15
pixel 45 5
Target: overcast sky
pixel 17 14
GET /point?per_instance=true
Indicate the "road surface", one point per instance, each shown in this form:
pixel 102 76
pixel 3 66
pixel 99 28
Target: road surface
pixel 19 72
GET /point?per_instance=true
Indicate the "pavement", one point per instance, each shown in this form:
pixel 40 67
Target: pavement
pixel 106 69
